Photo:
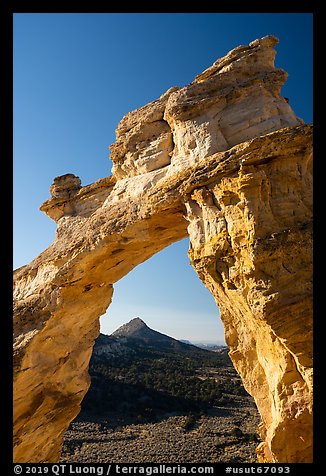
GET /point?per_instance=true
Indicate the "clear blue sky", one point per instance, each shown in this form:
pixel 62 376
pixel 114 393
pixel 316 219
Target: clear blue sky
pixel 76 76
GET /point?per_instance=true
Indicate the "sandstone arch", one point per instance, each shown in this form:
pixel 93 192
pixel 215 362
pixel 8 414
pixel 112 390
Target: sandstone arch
pixel 226 161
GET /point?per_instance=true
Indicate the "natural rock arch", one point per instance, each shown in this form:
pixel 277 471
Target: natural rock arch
pixel 226 161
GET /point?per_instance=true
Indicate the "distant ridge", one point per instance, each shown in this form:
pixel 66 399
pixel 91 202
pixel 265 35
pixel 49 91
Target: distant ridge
pixel 135 336
pixel 138 329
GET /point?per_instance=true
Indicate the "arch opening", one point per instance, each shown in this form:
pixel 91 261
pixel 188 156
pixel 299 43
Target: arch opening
pixel 180 395
pixel 166 292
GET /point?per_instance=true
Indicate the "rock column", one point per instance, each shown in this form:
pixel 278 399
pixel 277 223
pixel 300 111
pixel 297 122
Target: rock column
pixel 250 233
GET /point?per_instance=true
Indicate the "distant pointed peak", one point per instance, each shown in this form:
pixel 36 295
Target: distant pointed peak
pixel 137 320
pixel 134 325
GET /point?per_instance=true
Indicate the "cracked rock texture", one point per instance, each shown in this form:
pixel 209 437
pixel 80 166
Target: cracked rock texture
pixel 225 160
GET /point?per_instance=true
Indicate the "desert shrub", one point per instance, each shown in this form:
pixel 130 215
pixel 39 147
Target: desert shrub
pixel 237 432
pixel 189 422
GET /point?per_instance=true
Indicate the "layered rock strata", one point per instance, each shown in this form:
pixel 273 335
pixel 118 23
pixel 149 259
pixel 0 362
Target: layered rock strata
pixel 251 244
pixel 226 161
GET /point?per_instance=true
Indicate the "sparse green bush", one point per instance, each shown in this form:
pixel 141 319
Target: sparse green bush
pixel 237 432
pixel 253 437
pixel 189 422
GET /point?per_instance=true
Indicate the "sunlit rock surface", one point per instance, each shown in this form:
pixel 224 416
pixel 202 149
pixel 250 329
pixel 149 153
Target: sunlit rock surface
pixel 226 161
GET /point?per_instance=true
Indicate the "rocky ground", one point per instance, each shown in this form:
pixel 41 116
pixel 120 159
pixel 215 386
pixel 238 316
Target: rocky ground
pixel 225 434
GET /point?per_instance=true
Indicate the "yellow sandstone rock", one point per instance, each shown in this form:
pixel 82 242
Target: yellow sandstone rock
pixel 227 162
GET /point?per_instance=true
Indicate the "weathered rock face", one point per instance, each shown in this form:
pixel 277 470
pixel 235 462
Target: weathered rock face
pixel 226 161
pixel 250 233
pixel 234 100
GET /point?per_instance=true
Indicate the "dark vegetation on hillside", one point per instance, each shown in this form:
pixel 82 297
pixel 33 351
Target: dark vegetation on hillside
pixel 145 382
pixel 153 398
